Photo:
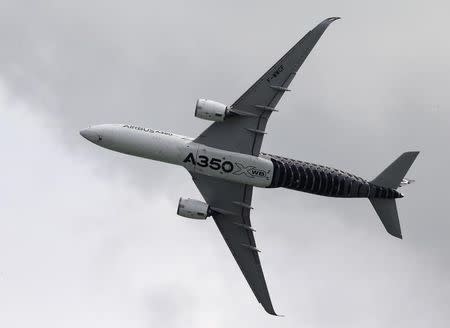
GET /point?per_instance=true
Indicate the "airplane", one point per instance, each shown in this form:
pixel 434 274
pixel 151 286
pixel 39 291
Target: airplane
pixel 225 163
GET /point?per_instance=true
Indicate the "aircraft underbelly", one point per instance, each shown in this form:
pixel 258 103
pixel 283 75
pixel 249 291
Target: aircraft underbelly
pixel 226 165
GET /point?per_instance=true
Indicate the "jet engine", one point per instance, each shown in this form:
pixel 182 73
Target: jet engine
pixel 211 110
pixel 193 209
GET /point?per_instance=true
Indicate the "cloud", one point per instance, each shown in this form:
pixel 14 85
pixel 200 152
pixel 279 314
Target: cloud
pixel 90 237
pixel 77 248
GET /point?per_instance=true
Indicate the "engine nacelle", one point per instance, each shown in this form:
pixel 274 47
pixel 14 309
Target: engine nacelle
pixel 193 209
pixel 211 110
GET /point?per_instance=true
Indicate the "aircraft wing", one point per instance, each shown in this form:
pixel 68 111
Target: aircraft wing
pixel 244 131
pixel 231 202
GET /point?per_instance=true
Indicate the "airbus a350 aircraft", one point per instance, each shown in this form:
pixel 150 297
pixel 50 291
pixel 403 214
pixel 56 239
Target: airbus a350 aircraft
pixel 225 163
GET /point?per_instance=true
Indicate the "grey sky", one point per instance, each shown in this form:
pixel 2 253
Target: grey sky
pixel 89 237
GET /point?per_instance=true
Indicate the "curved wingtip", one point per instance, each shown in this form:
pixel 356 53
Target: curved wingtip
pixel 275 314
pixel 330 20
pixel 270 310
pixel 322 26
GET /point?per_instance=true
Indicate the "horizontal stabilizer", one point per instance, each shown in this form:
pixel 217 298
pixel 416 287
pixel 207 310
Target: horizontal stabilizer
pixel 393 175
pixel 387 211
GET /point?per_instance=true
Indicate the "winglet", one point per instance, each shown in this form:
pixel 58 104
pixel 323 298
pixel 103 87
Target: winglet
pixel 321 27
pixel 331 19
pixel 271 311
pixel 328 21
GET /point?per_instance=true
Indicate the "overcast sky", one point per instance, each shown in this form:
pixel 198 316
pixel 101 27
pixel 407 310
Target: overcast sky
pixel 89 237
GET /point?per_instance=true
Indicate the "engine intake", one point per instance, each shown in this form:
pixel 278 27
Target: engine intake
pixel 193 209
pixel 211 110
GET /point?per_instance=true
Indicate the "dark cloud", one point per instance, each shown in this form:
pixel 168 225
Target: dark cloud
pixel 375 86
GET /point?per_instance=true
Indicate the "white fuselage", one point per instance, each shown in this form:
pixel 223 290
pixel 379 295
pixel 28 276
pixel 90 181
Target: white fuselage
pixel 179 150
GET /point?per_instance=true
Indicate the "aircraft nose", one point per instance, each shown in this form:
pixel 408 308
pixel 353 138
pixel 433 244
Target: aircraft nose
pixel 90 135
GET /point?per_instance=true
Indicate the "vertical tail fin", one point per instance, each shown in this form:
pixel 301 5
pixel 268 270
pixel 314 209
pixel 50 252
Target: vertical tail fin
pixel 392 177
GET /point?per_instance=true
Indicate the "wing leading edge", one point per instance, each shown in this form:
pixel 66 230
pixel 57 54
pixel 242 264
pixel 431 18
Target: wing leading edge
pixel 244 132
pixel 231 202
